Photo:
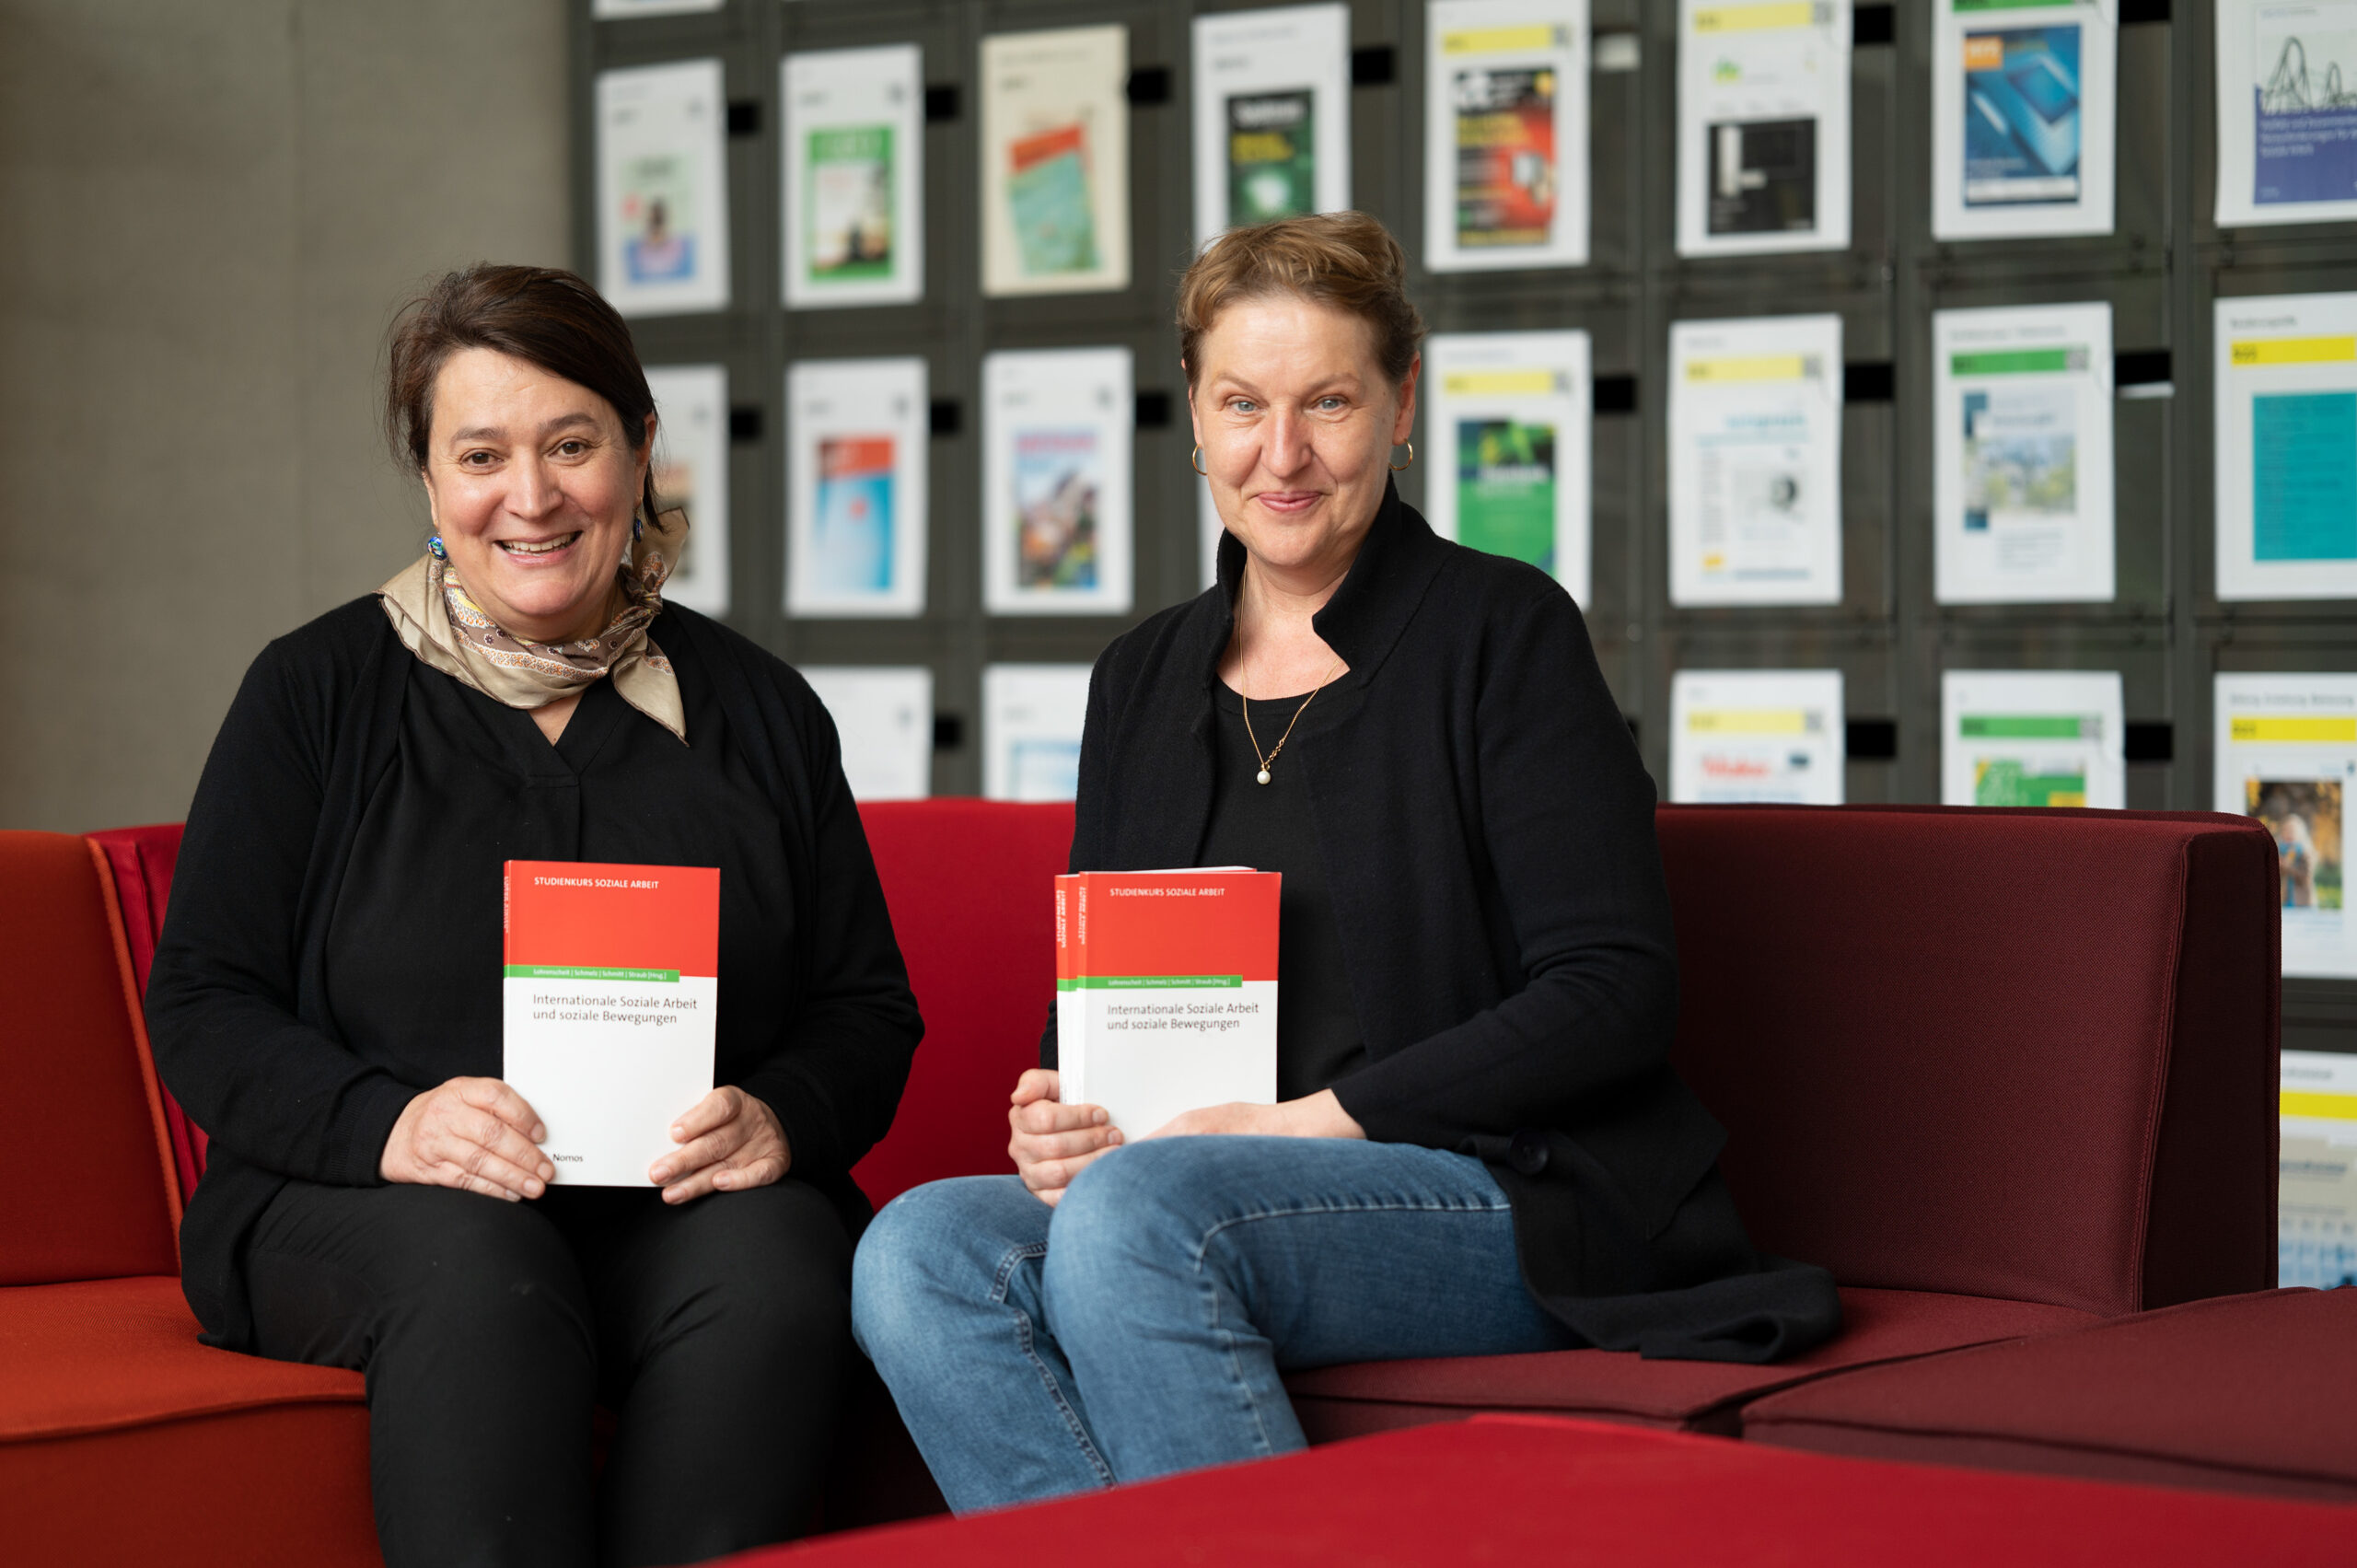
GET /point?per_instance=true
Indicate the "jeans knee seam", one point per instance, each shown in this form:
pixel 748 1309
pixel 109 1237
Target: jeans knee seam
pixel 1211 1231
pixel 1014 1258
pixel 1235 1368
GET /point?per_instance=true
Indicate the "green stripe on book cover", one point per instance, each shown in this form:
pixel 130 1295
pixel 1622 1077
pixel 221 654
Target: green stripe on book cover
pixel 589 972
pixel 1148 982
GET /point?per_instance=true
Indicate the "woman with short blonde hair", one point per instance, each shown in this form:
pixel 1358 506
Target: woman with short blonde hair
pixel 1479 1145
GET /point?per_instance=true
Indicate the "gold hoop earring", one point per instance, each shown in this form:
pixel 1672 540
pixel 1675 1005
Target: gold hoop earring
pixel 1192 461
pixel 1397 468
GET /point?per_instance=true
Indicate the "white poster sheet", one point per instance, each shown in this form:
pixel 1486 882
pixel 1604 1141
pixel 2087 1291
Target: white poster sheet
pixel 1508 433
pixel 615 10
pixel 853 215
pixel 2025 118
pixel 1755 461
pixel 1032 719
pixel 1058 427
pixel 2287 112
pixel 1757 735
pixel 2285 372
pixel 2315 1207
pixel 2032 737
pixel 1505 134
pixel 884 719
pixel 1055 161
pixel 1763 126
pixel 2022 486
pixel 662 188
pixel 1273 116
pixel 691 472
pixel 856 486
pixel 2286 750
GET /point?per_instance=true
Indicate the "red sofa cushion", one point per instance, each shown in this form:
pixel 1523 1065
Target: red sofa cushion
pixel 2028 1054
pixel 123 1440
pixel 142 860
pixel 1694 1395
pixel 971 886
pixel 1526 1490
pixel 85 1173
pixel 2247 1392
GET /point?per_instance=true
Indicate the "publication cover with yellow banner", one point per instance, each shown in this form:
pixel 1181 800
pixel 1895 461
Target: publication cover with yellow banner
pixel 610 995
pixel 1167 991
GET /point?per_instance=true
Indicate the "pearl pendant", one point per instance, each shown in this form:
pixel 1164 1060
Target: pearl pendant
pixel 1263 775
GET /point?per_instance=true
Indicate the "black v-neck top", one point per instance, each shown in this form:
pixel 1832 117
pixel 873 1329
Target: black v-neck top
pixel 1271 828
pixel 334 942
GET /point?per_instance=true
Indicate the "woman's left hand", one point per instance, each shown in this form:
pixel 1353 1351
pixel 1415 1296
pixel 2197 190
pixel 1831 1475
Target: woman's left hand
pixel 730 1141
pixel 1312 1116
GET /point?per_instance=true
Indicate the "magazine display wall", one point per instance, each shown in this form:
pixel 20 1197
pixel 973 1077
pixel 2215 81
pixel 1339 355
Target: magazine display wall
pixel 1936 255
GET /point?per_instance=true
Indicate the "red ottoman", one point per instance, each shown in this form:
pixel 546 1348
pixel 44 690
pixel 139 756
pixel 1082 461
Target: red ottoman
pixel 1527 1489
pixel 2248 1393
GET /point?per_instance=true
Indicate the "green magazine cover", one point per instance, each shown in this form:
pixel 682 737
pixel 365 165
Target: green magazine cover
pixel 1505 489
pixel 847 204
pixel 1271 155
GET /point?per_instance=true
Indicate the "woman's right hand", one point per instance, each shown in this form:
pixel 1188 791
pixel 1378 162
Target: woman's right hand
pixel 1053 1141
pixel 475 1133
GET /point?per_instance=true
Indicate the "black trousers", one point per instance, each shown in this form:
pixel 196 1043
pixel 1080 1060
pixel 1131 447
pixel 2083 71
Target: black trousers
pixel 718 1331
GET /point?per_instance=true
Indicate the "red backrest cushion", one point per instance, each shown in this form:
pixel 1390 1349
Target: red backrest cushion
pixel 971 886
pixel 141 860
pixel 83 1170
pixel 2021 1054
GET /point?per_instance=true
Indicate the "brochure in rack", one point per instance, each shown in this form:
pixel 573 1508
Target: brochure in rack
pixel 1167 991
pixel 611 994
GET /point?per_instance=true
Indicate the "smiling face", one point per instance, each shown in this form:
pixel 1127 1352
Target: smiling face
pixel 1296 421
pixel 532 482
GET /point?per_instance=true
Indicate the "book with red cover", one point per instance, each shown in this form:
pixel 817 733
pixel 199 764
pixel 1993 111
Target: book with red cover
pixel 610 1000
pixel 1167 991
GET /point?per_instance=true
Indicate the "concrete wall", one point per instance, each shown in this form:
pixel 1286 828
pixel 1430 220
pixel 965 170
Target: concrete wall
pixel 214 209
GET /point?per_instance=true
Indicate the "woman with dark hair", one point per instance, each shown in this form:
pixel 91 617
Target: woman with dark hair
pixel 326 996
pixel 1481 1146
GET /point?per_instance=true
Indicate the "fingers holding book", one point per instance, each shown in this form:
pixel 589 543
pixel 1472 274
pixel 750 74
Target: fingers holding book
pixel 729 1141
pixel 1053 1142
pixel 473 1134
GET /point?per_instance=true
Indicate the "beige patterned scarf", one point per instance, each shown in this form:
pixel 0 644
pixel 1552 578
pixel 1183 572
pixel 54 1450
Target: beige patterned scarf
pixel 437 619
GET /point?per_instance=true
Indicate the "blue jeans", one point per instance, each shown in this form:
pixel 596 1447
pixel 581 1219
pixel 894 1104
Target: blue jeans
pixel 1139 1327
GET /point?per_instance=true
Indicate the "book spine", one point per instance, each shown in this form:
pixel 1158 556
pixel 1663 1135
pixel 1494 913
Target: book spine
pixel 1072 1051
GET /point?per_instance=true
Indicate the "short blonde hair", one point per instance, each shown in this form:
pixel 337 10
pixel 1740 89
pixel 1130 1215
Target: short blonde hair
pixel 1344 260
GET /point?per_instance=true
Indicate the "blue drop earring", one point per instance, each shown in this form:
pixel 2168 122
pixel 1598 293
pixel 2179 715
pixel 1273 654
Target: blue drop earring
pixel 434 547
pixel 637 527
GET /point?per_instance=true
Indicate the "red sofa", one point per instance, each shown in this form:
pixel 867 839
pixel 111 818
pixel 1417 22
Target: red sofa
pixel 1537 1490
pixel 1989 1120
pixel 2242 1393
pixel 122 1439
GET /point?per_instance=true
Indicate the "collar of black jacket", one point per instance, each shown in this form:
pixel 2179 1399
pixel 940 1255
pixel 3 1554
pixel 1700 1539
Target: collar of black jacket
pixel 1377 595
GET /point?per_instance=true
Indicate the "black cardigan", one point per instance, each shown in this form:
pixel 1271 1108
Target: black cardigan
pixel 1487 829
pixel 240 1006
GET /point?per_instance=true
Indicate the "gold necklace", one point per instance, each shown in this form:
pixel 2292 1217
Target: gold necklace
pixel 1270 757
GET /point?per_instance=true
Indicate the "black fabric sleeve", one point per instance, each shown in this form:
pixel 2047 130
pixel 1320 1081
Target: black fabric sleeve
pixel 222 996
pixel 1567 825
pixel 835 1076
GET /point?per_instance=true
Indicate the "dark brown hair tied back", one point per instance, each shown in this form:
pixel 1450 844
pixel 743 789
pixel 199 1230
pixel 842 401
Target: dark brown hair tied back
pixel 1347 261
pixel 544 316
